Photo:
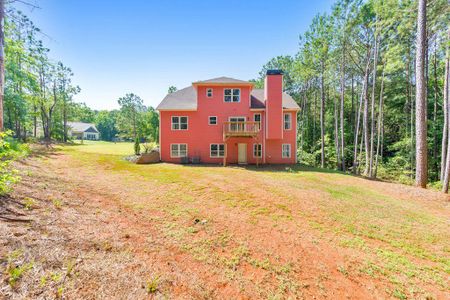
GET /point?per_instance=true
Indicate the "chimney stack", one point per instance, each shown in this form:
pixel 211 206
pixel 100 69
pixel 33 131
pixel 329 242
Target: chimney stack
pixel 273 95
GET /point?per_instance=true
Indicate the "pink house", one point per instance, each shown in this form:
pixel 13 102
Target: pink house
pixel 225 120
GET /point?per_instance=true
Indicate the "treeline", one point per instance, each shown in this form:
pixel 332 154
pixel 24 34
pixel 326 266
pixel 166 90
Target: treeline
pixel 38 96
pixel 354 79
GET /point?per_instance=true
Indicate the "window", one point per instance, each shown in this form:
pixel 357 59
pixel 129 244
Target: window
pixel 236 124
pixel 257 118
pixel 212 121
pixel 257 150
pixel 179 123
pixel 178 150
pixel 217 150
pixel 231 95
pixel 286 151
pixel 287 121
pixel 209 93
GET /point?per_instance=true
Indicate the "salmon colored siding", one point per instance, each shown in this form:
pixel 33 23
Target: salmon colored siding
pixel 200 135
pixel 274 108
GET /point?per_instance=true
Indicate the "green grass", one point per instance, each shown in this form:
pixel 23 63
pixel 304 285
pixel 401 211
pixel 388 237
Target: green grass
pixel 102 147
pixel 399 238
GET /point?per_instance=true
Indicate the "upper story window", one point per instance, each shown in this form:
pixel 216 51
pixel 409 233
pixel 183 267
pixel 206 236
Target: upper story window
pixel 232 95
pixel 179 123
pixel 257 119
pixel 287 121
pixel 212 120
pixel 209 92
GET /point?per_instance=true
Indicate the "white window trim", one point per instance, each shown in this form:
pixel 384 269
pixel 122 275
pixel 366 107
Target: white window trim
pixel 209 120
pixel 238 117
pixel 178 156
pixel 257 114
pixel 212 93
pixel 232 95
pixel 171 123
pixel 290 121
pixel 282 151
pixel 254 156
pixel 218 151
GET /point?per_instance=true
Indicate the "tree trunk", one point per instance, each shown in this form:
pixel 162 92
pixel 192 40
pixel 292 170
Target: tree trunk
pixel 372 113
pixel 336 133
pixel 2 60
pixel 446 115
pixel 342 110
pixel 421 109
pixel 446 161
pixel 322 118
pixel 380 119
pixel 358 118
pixel 366 121
pixel 435 108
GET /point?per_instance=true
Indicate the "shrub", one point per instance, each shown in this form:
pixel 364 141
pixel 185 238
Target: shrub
pixel 148 147
pixel 10 150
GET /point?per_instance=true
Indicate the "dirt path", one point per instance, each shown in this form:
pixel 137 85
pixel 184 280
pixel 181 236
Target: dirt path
pixel 101 232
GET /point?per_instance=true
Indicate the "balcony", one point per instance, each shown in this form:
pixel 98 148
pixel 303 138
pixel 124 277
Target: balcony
pixel 241 129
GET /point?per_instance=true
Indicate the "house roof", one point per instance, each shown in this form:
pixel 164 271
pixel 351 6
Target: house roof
pixel 82 127
pixel 186 99
pixel 222 80
pixel 257 100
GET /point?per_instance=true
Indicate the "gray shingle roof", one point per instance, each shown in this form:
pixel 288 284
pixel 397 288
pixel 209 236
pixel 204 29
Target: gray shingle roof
pixel 186 99
pixel 223 80
pixel 82 127
pixel 257 98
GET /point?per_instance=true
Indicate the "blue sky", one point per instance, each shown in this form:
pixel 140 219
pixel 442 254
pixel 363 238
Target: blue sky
pixel 144 46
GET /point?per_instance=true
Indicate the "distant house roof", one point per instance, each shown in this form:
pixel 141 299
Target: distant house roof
pixel 186 99
pixel 82 127
pixel 222 80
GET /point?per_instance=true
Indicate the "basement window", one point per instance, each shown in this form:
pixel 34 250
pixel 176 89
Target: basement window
pixel 178 150
pixel 216 150
pixel 286 151
pixel 257 150
pixel 232 95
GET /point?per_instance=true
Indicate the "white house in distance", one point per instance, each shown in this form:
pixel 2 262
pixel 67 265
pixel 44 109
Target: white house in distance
pixel 85 131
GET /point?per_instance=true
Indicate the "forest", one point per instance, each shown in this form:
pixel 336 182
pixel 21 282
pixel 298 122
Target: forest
pixel 355 77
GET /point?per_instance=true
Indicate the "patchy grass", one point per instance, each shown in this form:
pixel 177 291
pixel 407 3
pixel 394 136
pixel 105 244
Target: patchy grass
pixel 269 232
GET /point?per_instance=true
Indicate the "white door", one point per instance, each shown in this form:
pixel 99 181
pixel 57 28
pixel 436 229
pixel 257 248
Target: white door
pixel 242 153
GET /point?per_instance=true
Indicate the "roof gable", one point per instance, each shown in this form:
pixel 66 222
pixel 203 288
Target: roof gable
pixel 186 99
pixel 222 80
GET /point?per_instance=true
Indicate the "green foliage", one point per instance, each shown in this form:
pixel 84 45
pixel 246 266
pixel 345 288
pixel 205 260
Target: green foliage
pixel 152 285
pixel 137 146
pixel 10 150
pixel 340 45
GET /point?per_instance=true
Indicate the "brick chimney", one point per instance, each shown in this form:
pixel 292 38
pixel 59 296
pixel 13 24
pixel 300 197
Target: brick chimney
pixel 273 93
